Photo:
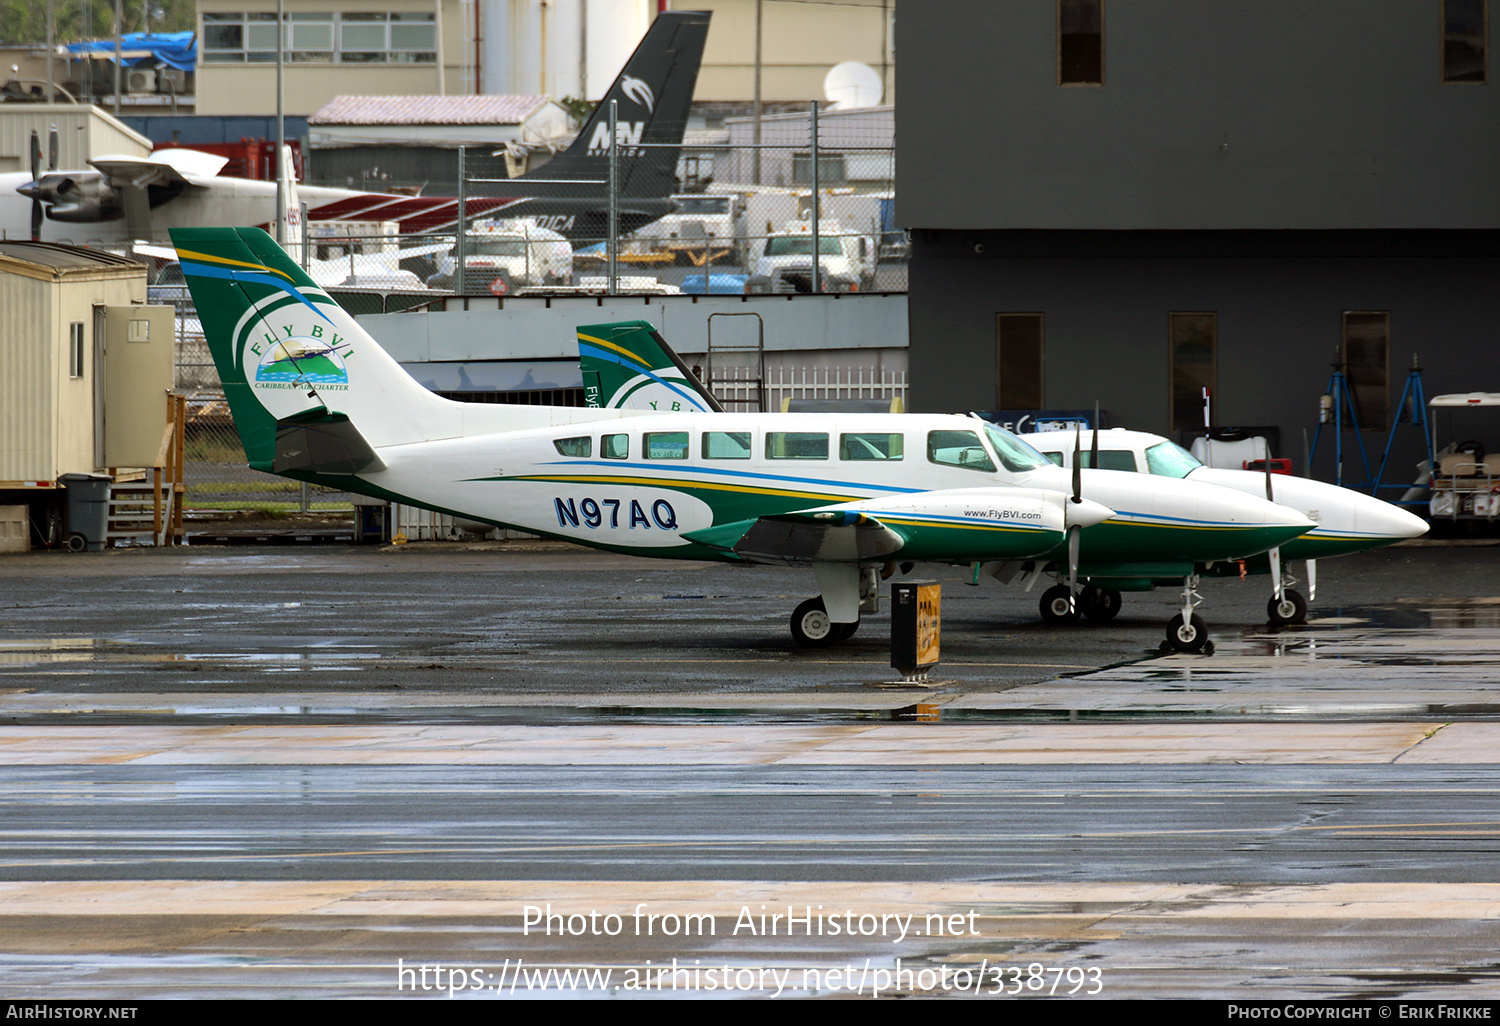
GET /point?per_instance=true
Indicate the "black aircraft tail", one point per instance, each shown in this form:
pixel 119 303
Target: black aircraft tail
pixel 653 93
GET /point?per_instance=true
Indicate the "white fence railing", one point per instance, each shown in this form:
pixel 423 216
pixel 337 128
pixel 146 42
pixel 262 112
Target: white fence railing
pixel 735 386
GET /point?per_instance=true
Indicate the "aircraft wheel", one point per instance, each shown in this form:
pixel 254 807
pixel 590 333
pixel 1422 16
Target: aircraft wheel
pixel 811 627
pixel 1057 606
pixel 1191 636
pixel 1291 609
pixel 1100 604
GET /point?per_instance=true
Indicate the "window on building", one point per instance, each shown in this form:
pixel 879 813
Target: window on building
pixel 831 168
pixel 1080 42
pixel 1018 361
pixel 1194 343
pixel 1366 358
pixel 1465 37
pixel 321 37
pixel 75 349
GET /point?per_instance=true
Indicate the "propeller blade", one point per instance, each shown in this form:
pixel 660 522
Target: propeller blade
pixel 1094 445
pixel 1269 496
pixel 36 175
pixel 52 149
pixel 1077 464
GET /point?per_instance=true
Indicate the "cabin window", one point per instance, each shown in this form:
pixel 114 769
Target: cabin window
pixel 958 449
pixel 1018 361
pixel 665 445
pixel 574 446
pixel 1111 459
pixel 796 445
pixel 871 446
pixel 75 349
pixel 726 445
pixel 1055 457
pixel 1080 42
pixel 1366 356
pixel 614 447
pixel 1465 39
pixel 1194 343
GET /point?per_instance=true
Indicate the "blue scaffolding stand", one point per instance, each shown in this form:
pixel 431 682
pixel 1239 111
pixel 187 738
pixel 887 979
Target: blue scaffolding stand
pixel 1337 402
pixel 1411 410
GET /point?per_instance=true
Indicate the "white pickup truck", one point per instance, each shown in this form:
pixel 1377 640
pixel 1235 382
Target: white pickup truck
pixel 783 261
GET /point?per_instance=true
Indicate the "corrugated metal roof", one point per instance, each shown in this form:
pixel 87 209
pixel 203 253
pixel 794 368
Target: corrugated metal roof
pixel 427 110
pixel 60 257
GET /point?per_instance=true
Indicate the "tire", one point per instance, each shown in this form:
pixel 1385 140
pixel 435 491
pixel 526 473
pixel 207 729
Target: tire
pixel 77 542
pixel 1100 605
pixel 811 627
pixel 1290 610
pixel 1057 607
pixel 1187 637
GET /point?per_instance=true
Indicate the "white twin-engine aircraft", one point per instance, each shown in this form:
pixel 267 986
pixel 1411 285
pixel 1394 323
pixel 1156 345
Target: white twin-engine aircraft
pixel 315 398
pixel 126 199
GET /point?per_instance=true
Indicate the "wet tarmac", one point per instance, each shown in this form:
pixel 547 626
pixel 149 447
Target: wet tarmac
pixel 237 772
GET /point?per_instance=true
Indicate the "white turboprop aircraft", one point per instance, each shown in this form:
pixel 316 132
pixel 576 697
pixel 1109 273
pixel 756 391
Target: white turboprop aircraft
pixel 119 200
pixel 315 398
pixel 1346 521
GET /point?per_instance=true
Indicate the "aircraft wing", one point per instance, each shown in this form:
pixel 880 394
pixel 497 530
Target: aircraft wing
pixel 813 536
pixel 183 167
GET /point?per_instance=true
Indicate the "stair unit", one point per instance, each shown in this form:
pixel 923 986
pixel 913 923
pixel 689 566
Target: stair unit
pixel 148 510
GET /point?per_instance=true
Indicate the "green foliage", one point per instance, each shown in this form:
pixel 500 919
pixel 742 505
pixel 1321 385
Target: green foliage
pixel 578 108
pixel 25 23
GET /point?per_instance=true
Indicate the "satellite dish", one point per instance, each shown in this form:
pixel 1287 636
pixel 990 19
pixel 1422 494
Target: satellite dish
pixel 852 84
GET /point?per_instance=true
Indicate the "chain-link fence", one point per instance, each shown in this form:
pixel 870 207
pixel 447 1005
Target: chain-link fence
pixel 740 206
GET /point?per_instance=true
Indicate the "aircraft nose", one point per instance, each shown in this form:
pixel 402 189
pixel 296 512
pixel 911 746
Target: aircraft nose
pixel 1391 521
pixel 1085 513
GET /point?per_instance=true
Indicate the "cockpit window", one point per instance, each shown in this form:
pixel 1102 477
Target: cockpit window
pixel 958 449
pixel 574 446
pixel 1170 460
pixel 1015 454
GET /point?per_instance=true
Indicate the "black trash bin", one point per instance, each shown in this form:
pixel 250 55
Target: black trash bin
pixel 88 511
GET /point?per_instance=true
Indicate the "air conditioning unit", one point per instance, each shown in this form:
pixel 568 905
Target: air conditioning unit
pixel 171 80
pixel 139 81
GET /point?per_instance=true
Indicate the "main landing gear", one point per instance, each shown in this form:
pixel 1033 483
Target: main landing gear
pixel 1058 606
pixel 811 627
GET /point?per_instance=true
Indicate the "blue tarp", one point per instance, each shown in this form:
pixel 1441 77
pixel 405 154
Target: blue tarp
pixel 718 284
pixel 175 49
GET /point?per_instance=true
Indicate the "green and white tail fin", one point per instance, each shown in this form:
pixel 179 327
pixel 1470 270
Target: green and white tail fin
pixel 291 359
pixel 629 366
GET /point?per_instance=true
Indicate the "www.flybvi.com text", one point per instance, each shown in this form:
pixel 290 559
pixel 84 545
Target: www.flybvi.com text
pixel 517 977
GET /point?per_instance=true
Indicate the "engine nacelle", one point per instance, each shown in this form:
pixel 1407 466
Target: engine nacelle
pixel 79 197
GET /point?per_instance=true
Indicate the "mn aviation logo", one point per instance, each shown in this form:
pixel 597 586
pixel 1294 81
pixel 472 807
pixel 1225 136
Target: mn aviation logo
pixel 638 91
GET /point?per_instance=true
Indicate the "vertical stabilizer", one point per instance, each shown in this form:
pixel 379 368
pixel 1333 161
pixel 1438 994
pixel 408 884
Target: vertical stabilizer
pixel 286 351
pixel 629 366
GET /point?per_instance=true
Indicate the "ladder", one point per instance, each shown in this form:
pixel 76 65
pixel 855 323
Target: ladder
pixel 737 354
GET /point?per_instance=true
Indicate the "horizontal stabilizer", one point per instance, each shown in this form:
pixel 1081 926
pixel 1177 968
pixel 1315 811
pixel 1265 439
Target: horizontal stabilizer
pixel 320 442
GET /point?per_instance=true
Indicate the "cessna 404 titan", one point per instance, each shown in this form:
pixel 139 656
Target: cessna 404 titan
pixel 1345 521
pixel 315 398
pixel 1166 529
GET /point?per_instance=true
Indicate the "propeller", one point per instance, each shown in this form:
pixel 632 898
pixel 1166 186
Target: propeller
pixel 1075 530
pixel 52 149
pixel 36 176
pixel 1094 446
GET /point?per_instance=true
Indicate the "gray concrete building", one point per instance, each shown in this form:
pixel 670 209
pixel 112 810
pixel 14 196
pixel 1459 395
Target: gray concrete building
pixel 1130 202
